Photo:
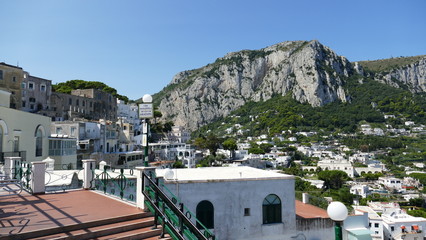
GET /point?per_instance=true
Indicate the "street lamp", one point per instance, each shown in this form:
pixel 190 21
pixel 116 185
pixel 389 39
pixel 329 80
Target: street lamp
pixel 338 212
pixel 146 112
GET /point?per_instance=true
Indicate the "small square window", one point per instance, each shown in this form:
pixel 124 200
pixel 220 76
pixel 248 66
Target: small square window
pixel 246 211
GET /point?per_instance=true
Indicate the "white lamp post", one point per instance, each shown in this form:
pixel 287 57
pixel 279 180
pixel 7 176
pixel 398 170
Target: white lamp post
pixel 338 212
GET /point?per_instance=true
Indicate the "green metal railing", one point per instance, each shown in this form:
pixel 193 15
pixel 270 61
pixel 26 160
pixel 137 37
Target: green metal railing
pixel 171 213
pixel 22 173
pixel 117 186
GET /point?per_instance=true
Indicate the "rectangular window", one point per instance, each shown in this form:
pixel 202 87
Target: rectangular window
pixel 70 101
pixel 43 88
pixel 32 106
pixel 392 228
pixel 246 211
pixel 23 103
pixel 1 74
pixel 30 85
pixel 23 85
pixel 376 225
pixel 73 131
pixel 13 79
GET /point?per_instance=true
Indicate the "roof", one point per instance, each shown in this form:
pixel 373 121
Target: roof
pixel 8 65
pixel 212 174
pixel 305 210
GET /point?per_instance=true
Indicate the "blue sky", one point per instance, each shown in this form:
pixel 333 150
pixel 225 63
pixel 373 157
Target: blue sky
pixel 137 46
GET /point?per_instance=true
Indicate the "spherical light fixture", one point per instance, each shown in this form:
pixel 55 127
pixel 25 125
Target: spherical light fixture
pixel 337 211
pixel 147 98
pixel 168 175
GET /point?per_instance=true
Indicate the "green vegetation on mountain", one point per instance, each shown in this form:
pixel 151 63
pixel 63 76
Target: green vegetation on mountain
pixel 385 65
pixel 369 102
pixel 68 86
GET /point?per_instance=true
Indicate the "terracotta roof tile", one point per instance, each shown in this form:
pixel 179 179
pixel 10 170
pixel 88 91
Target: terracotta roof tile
pixel 309 211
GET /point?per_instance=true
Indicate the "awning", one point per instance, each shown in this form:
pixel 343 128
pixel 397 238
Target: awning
pixel 415 227
pixel 402 227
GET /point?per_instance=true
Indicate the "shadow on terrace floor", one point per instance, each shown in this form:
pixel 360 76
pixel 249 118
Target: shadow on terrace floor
pixel 24 212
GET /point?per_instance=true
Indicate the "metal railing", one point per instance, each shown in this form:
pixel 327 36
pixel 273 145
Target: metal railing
pixel 14 179
pixel 21 154
pixel 170 213
pixel 117 184
pixel 22 173
pixel 62 180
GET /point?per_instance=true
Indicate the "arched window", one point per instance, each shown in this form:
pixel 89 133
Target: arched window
pixel 205 214
pixel 271 208
pixel 39 142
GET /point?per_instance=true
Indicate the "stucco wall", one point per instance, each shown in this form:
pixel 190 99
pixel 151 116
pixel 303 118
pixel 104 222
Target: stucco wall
pixel 230 198
pixel 24 125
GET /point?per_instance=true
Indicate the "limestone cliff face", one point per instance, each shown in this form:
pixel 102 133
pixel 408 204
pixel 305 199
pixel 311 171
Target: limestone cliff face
pixel 412 76
pixel 311 72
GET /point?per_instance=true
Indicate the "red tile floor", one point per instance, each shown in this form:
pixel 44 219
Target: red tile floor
pixel 24 212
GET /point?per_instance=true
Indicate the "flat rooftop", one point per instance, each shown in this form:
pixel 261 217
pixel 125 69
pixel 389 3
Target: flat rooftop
pixel 219 174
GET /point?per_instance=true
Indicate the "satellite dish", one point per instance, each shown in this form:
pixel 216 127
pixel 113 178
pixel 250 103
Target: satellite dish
pixel 169 174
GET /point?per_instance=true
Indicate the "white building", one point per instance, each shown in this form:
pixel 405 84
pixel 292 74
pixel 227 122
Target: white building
pixel 179 134
pixel 22 133
pixel 391 182
pixel 238 202
pixel 399 225
pixel 342 165
pixel 128 112
pixel 375 221
pixel 360 190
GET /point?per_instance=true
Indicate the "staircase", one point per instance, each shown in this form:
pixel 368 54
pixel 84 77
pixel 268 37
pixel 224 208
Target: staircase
pixel 135 226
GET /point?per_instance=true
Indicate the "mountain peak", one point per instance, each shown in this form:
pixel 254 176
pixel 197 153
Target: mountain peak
pixel 309 71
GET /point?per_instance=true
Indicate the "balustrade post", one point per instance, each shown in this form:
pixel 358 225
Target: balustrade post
pixel 10 164
pixel 140 186
pixel 88 173
pixel 38 172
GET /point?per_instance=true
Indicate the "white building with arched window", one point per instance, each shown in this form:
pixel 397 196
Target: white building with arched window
pixel 237 202
pixel 23 134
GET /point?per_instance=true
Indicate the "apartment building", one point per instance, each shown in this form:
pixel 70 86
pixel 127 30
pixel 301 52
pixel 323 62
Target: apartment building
pixel 35 93
pixel 11 78
pixel 91 104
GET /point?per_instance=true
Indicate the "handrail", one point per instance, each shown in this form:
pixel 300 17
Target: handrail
pixel 121 182
pixel 178 201
pixel 24 176
pixel 183 222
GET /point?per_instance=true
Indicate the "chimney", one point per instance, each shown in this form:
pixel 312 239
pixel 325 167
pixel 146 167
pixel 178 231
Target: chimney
pixel 305 198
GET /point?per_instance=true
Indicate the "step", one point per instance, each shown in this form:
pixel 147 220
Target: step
pixel 144 233
pixel 103 230
pixel 75 227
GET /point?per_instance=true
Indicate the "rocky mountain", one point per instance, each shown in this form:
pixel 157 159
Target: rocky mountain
pixel 309 71
pixel 403 72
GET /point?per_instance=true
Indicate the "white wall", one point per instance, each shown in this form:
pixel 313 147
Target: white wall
pixel 23 125
pixel 229 199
